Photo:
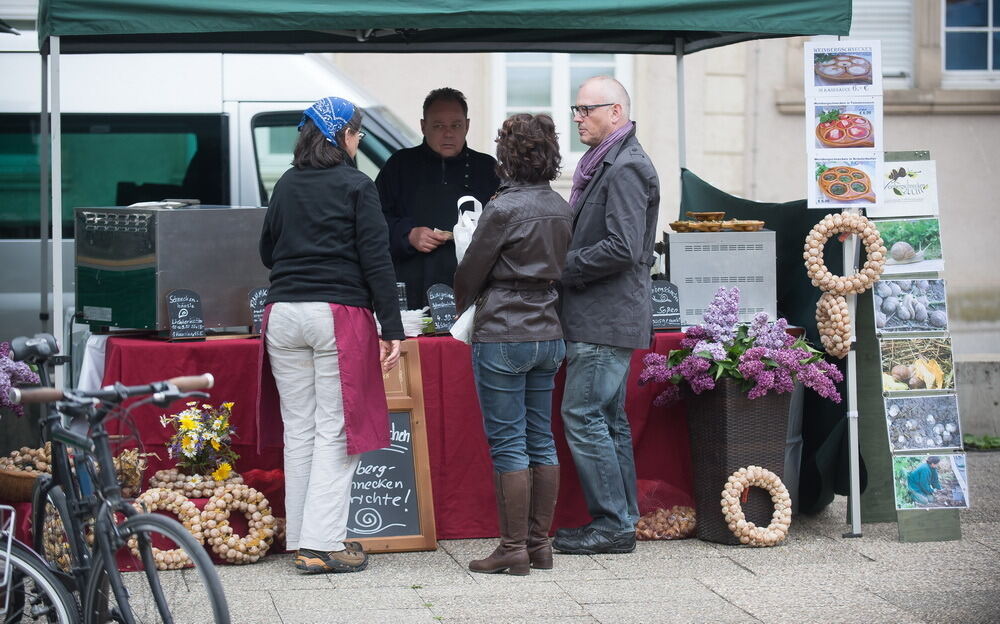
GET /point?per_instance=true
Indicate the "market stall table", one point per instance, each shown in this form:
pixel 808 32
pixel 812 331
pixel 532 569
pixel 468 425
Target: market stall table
pixel 461 471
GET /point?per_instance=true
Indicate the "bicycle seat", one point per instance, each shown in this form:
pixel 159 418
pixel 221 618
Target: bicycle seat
pixel 34 350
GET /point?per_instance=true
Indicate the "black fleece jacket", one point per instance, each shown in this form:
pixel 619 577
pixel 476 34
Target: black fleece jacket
pixel 325 239
pixel 420 188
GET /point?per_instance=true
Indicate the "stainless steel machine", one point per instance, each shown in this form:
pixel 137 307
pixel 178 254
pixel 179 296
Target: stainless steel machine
pixel 129 258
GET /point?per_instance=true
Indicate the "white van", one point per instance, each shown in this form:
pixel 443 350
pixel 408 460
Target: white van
pixel 144 127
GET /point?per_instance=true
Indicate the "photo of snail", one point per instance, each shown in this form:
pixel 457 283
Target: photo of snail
pixel 930 481
pixel 922 423
pixel 914 245
pixel 903 305
pixel 917 364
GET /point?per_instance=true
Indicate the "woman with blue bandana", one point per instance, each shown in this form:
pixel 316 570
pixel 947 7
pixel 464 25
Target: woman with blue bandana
pixel 326 244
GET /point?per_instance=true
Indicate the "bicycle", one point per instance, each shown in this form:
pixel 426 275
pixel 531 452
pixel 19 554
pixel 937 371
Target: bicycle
pixel 29 591
pixel 84 495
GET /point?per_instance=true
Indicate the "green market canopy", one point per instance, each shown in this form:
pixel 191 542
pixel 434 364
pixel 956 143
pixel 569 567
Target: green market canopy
pixel 624 26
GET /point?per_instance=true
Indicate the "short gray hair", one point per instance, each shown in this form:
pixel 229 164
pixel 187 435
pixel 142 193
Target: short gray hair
pixel 615 92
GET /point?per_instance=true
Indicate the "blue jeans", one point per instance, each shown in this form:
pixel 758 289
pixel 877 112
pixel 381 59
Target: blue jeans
pixel 598 433
pixel 515 381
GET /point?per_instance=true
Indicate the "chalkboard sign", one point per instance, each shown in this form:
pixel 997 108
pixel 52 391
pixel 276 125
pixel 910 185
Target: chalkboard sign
pixel 257 297
pixel 186 319
pixel 666 305
pixel 442 301
pixel 384 491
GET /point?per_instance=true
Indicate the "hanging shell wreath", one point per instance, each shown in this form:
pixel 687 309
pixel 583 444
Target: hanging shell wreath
pixel 219 534
pixel 832 317
pixel 185 510
pixel 192 486
pixel 749 533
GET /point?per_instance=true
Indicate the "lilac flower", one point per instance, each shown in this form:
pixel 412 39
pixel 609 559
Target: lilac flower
pixel 763 357
pixel 772 335
pixel 723 315
pixel 13 374
pixel 715 350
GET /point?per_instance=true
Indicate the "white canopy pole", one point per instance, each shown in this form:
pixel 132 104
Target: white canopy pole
pixel 44 162
pixel 681 121
pixel 57 265
pixel 850 268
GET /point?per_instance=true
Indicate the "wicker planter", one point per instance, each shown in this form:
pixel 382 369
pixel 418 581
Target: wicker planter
pixel 729 431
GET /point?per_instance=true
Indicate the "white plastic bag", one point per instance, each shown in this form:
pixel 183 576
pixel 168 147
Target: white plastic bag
pixel 462 329
pixel 466 225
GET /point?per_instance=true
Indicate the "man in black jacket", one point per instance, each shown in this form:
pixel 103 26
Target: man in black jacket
pixel 420 187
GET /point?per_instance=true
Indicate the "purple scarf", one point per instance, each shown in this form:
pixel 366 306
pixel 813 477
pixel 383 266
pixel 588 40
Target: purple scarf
pixel 587 166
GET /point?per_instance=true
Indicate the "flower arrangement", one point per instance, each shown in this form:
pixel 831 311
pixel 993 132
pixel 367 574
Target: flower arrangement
pixel 762 355
pixel 13 374
pixel 202 435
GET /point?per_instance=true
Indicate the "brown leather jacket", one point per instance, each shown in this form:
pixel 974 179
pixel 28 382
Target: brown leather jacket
pixel 513 264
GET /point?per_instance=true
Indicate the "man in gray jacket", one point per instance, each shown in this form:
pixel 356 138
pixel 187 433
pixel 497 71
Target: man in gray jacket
pixel 606 311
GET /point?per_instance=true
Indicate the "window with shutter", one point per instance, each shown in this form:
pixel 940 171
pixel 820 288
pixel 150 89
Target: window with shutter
pixel 891 22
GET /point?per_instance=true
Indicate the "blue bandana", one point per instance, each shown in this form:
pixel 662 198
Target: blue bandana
pixel 330 115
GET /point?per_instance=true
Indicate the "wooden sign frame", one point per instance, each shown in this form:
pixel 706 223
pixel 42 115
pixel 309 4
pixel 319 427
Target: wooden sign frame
pixel 404 393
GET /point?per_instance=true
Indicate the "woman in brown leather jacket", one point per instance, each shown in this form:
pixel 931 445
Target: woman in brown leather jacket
pixel 510 272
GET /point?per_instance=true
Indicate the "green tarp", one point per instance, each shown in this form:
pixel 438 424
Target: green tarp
pixel 635 26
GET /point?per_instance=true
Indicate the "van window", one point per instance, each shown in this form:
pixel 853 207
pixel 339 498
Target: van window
pixel 111 160
pixel 275 134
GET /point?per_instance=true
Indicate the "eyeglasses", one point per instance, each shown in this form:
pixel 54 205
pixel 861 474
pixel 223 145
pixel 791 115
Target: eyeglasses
pixel 584 110
pixel 361 134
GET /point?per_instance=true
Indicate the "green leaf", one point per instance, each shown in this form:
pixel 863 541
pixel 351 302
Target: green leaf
pixel 897 191
pixel 831 115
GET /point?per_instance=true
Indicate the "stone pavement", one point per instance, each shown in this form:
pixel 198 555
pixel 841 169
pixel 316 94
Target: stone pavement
pixel 815 576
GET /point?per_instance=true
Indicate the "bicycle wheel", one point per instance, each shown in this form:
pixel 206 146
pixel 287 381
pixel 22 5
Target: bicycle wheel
pixel 34 593
pixel 191 594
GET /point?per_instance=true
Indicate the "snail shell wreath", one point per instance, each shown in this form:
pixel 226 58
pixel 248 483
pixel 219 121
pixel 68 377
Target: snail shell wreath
pixel 834 323
pixel 840 284
pixel 185 510
pixel 747 532
pixel 832 317
pixel 219 534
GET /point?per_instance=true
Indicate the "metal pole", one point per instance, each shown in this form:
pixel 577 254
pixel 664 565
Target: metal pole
pixel 44 162
pixel 57 262
pixel 681 121
pixel 850 268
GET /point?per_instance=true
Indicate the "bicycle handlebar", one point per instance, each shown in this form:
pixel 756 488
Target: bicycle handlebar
pixel 24 396
pixel 187 383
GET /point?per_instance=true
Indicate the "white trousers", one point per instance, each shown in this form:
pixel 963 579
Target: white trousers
pixel 318 471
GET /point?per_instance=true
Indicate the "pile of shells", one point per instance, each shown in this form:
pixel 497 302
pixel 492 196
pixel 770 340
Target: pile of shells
pixel 677 522
pixel 192 486
pixel 33 460
pixel 747 532
pixel 219 534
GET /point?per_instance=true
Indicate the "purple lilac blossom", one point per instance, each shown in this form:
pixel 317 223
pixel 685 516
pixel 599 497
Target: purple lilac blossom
pixel 723 315
pixel 715 350
pixel 771 335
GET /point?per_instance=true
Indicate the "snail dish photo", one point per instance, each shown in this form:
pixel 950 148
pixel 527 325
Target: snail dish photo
pixel 844 68
pixel 844 183
pixel 838 129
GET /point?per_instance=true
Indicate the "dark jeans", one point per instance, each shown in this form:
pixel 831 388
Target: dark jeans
pixel 514 381
pixel 598 432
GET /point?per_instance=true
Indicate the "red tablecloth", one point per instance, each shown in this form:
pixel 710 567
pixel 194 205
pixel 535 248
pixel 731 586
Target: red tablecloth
pixel 461 471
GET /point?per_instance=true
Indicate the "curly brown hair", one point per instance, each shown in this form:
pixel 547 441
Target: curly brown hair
pixel 528 149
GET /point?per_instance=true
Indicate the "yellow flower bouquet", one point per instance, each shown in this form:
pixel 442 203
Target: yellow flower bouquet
pixel 202 435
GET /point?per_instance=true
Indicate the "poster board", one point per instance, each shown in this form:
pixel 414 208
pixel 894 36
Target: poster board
pixel 392 507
